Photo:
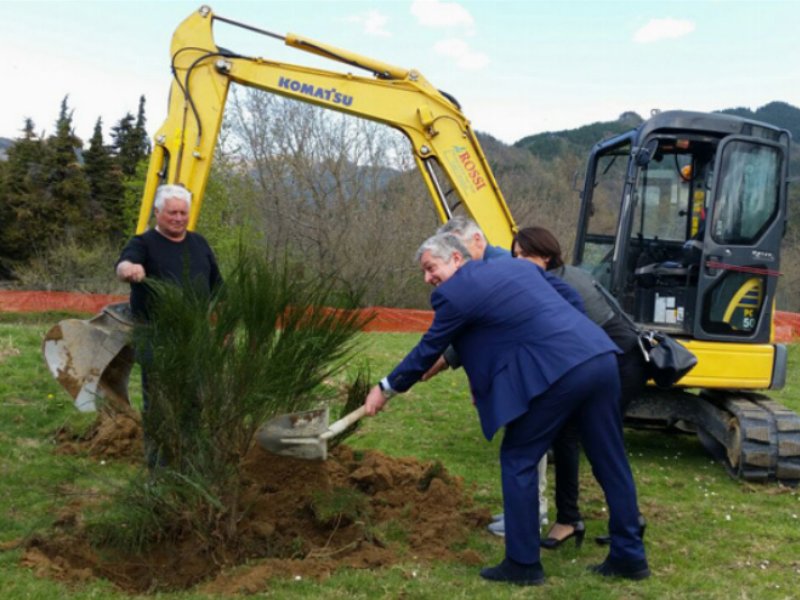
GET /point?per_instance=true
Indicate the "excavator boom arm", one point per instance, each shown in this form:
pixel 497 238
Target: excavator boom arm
pixel 403 99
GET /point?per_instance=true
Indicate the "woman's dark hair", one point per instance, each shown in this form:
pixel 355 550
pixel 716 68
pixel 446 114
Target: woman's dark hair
pixel 538 241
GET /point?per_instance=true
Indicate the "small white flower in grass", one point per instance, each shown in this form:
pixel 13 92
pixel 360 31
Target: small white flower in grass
pixel 413 573
pixel 727 517
pixel 298 577
pixel 794 516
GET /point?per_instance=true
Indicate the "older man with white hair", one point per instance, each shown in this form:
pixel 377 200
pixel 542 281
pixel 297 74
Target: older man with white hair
pixel 168 252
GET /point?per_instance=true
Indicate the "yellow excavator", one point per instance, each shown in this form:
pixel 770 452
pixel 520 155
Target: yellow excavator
pixel 92 361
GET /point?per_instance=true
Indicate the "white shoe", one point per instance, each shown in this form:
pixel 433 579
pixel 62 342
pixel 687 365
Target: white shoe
pixel 498 528
pixel 498 524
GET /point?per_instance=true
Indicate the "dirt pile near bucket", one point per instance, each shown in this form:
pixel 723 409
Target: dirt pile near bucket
pixel 115 434
pixel 358 509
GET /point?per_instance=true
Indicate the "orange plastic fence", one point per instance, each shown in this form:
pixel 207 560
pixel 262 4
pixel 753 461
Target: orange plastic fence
pixel 787 325
pixel 22 301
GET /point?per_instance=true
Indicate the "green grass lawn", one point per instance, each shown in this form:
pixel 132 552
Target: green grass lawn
pixel 708 536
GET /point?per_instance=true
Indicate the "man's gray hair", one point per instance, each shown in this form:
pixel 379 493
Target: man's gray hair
pixel 442 245
pixel 461 226
pixel 170 192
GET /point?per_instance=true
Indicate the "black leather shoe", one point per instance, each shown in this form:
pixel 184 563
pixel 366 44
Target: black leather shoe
pixel 509 571
pixel 578 532
pixel 629 570
pixel 605 540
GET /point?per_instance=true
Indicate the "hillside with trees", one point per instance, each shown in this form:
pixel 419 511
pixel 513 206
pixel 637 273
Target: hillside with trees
pixel 337 197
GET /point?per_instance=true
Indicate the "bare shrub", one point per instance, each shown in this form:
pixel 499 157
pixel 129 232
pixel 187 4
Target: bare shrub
pixel 339 194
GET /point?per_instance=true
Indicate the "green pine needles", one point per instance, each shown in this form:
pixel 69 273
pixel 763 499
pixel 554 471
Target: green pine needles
pixel 218 368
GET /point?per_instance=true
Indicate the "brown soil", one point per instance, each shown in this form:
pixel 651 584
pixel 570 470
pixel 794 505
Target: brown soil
pixel 116 435
pixel 408 510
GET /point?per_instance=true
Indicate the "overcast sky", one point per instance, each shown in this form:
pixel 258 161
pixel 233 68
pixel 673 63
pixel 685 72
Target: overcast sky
pixel 516 66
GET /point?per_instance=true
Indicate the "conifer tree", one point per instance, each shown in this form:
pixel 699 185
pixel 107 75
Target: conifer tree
pixel 140 131
pixel 27 205
pixel 130 141
pixel 105 185
pixel 67 182
pixel 121 135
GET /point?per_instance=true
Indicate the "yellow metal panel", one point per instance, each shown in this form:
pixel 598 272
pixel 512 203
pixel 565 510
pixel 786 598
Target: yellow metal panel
pixel 730 365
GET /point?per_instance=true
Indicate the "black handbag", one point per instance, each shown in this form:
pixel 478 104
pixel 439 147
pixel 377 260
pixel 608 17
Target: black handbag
pixel 667 359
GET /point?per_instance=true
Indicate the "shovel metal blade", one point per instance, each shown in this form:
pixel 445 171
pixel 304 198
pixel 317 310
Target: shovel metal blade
pixel 296 435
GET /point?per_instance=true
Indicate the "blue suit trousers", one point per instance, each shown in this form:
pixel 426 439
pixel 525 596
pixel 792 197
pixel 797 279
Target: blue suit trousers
pixel 589 393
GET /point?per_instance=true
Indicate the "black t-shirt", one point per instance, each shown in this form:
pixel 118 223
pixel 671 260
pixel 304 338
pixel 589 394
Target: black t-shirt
pixel 191 259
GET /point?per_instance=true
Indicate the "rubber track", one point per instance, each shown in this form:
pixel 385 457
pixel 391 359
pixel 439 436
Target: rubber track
pixel 769 438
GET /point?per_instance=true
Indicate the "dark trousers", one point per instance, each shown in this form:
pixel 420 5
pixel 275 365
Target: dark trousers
pixel 566 446
pixel 590 394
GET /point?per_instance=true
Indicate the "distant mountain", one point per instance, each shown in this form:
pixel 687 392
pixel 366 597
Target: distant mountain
pixel 551 144
pixel 779 114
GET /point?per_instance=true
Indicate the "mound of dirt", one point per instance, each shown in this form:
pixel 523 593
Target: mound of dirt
pixel 301 518
pixel 114 434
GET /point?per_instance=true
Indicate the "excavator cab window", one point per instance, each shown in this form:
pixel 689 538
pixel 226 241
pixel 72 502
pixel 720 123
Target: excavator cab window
pixel 667 225
pixel 604 187
pixel 747 200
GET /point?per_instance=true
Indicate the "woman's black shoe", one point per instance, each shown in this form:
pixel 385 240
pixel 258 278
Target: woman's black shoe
pixel 605 540
pixel 578 532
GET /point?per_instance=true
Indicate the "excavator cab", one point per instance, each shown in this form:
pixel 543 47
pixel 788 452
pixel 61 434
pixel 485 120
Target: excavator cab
pixel 682 221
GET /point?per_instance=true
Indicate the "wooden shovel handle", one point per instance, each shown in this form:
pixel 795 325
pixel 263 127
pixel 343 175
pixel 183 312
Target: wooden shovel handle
pixel 339 426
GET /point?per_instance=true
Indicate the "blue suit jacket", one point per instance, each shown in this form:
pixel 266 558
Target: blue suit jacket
pixel 515 334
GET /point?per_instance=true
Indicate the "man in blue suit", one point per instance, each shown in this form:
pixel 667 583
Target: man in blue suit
pixel 533 361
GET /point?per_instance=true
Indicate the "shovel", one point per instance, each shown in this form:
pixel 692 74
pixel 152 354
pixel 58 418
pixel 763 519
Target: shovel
pixel 304 435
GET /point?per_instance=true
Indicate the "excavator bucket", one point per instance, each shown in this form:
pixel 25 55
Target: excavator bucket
pixel 92 358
